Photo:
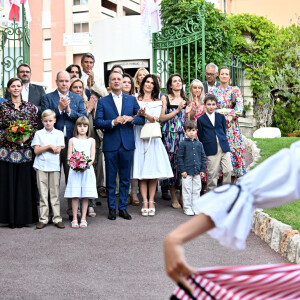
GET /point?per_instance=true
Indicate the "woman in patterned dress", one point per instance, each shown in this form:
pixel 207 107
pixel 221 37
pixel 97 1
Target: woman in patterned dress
pixel 173 118
pixel 197 110
pixel 18 203
pixel 230 103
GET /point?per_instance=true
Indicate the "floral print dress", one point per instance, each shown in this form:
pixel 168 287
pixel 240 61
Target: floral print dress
pixel 230 103
pixel 172 135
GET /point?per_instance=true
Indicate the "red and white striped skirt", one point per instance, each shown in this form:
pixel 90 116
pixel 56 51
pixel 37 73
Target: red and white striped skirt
pixel 255 282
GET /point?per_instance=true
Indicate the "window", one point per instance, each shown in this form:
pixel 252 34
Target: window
pixel 224 6
pixel 80 2
pixel 81 27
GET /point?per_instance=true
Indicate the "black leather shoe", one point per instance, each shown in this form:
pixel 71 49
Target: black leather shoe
pixel 124 214
pixel 166 196
pixel 112 214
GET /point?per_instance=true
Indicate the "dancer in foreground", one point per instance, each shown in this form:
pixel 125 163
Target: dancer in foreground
pixel 226 214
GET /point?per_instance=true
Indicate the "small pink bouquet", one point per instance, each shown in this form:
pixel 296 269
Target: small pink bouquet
pixel 78 161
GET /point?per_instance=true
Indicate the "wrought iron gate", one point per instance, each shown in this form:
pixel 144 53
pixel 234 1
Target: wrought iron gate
pixel 15 48
pixel 181 49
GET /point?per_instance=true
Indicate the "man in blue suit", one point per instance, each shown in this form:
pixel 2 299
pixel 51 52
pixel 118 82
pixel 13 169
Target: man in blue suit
pixel 212 134
pixel 115 115
pixel 68 107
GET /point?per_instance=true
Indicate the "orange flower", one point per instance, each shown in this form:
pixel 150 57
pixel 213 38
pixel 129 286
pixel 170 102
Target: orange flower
pixel 14 129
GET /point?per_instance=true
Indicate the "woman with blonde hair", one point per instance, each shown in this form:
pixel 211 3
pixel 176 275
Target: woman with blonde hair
pixel 196 99
pixel 138 77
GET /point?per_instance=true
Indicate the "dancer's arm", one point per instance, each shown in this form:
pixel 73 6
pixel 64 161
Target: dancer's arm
pixel 175 263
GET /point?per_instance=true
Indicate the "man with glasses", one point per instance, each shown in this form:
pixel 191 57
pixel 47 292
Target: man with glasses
pixel 31 92
pixel 211 73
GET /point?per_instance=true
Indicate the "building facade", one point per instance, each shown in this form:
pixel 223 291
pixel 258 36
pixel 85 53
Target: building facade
pixel 61 31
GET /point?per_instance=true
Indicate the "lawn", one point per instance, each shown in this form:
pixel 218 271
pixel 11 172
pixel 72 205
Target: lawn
pixel 288 213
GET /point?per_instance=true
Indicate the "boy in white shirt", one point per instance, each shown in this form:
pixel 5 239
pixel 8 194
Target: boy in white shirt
pixel 47 144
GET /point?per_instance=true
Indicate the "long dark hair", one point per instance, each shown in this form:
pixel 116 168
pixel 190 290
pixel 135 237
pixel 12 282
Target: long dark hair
pixel 132 83
pixel 155 91
pixel 69 68
pixel 170 91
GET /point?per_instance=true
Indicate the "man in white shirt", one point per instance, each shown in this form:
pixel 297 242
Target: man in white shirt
pixel 91 81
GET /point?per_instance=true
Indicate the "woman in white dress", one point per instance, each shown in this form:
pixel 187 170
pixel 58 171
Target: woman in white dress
pixel 150 162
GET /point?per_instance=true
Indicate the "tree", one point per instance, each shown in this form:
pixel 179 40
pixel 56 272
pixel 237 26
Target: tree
pixel 285 79
pixel 217 29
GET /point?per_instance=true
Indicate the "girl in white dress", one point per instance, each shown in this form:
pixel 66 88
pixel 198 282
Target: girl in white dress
pixel 81 184
pixel 150 162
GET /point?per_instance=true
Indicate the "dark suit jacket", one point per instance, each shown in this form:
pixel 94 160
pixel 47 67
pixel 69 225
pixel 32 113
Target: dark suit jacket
pixel 205 85
pixel 121 134
pixel 35 95
pixel 207 134
pixel 51 101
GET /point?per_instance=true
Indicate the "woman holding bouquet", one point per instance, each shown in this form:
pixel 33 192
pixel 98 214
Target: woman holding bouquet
pixel 230 103
pixel 82 179
pixel 18 122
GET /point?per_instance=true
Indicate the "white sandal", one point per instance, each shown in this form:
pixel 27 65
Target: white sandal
pixel 151 211
pixel 83 224
pixel 145 211
pixel 74 224
pixel 91 212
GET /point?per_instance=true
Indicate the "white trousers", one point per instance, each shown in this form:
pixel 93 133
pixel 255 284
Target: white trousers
pixel 191 187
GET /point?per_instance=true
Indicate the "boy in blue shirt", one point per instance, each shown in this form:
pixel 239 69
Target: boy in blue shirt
pixel 191 164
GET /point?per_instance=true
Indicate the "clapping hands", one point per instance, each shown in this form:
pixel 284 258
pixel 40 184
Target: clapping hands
pixel 64 104
pixel 123 119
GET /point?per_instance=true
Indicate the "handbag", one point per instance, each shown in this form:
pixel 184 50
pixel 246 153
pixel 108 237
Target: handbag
pixel 149 131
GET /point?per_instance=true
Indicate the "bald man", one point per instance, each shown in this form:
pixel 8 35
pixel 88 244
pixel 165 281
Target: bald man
pixel 68 107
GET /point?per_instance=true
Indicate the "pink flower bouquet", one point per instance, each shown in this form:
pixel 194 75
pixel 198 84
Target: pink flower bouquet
pixel 78 161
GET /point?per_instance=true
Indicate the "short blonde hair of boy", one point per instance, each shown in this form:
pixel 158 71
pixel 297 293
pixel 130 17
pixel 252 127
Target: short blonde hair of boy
pixel 82 120
pixel 48 113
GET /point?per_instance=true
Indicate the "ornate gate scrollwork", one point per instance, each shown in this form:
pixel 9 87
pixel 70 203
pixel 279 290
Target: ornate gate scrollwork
pixel 15 48
pixel 181 49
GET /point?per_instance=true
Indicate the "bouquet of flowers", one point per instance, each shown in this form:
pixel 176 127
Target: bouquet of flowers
pixel 19 130
pixel 78 161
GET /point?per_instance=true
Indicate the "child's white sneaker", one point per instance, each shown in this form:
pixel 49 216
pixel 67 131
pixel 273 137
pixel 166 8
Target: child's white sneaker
pixel 188 211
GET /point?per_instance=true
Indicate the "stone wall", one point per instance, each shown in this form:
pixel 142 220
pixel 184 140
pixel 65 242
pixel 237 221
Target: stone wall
pixel 248 124
pixel 279 236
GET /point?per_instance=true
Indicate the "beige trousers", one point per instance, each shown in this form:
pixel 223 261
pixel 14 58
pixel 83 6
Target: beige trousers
pixel 48 182
pixel 213 165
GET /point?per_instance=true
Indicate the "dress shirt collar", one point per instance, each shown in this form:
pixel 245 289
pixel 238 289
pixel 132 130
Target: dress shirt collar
pixel 84 75
pixel 116 96
pixel 211 115
pixel 61 95
pixel 48 132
